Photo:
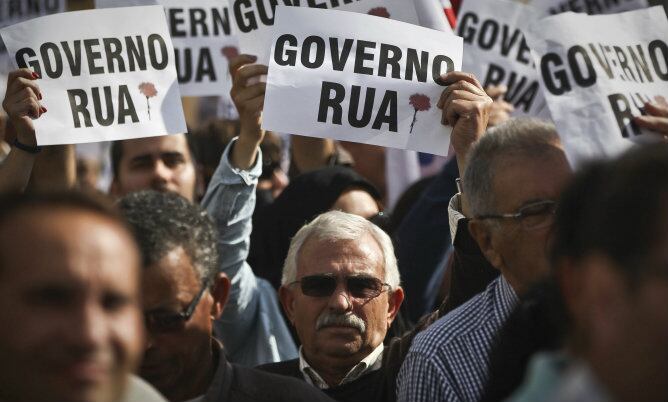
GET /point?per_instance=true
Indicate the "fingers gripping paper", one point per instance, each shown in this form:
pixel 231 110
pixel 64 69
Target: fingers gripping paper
pixel 497 53
pixel 354 77
pixel 111 78
pixel 597 72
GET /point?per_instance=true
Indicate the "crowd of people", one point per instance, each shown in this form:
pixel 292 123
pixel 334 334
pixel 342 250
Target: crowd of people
pixel 223 265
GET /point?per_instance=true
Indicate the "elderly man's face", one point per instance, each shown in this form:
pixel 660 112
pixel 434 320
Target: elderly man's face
pixel 520 252
pixel 178 357
pixel 160 163
pixel 70 323
pixel 340 344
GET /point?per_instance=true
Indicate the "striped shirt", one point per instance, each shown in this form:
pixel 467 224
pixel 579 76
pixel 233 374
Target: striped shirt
pixel 449 361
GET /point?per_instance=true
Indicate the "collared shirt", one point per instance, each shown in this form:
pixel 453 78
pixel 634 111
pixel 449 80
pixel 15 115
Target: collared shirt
pixel 370 363
pixel 450 360
pixel 251 327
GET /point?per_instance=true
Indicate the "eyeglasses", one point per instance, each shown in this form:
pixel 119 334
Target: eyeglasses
pixel 358 286
pixel 157 322
pixel 533 216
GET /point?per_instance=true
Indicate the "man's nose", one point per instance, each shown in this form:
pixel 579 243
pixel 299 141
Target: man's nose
pixel 340 300
pixel 161 172
pixel 87 330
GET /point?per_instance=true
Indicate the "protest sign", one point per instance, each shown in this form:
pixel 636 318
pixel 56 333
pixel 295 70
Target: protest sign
pixel 111 78
pixel 353 77
pixel 588 6
pixel 496 52
pixel 597 72
pixel 254 18
pixel 203 41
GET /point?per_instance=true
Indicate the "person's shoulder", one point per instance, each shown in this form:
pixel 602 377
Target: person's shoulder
pixel 138 390
pixel 460 322
pixel 256 385
pixel 287 368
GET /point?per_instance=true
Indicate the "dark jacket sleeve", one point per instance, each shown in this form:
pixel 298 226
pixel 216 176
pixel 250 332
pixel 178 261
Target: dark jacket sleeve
pixel 422 239
pixel 471 272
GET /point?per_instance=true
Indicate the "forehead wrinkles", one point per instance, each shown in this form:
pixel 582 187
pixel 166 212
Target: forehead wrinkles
pixel 322 256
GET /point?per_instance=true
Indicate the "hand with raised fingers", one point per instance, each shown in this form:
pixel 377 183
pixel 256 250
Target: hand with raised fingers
pixel 656 118
pixel 501 110
pixel 22 104
pixel 248 97
pixel 466 107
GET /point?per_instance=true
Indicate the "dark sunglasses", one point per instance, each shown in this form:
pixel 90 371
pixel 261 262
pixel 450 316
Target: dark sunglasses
pixel 158 322
pixel 359 286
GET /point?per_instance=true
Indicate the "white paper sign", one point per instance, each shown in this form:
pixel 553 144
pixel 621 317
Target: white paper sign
pixel 354 77
pixel 588 6
pixel 108 79
pixel 496 52
pixel 202 33
pixel 15 11
pixel 597 72
pixel 255 18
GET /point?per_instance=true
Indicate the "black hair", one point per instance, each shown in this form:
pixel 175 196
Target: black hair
pixel 164 221
pixel 116 153
pixel 617 208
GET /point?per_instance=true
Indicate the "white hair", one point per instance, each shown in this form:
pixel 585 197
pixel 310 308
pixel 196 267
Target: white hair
pixel 337 226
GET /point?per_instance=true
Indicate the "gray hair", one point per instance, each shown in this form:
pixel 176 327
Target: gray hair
pixel 336 226
pixel 519 137
pixel 164 221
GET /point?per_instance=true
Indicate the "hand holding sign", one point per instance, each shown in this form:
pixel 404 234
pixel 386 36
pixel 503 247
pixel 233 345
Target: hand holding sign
pixel 22 104
pixel 656 118
pixel 466 108
pixel 249 101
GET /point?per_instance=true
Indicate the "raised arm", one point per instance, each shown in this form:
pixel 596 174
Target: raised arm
pixel 466 107
pixel 251 326
pixel 22 105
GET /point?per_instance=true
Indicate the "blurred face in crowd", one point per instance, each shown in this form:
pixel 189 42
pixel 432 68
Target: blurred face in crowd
pixel 625 323
pixel 340 329
pixel 518 247
pixel 70 322
pixel 179 357
pixel 160 163
pixel 357 202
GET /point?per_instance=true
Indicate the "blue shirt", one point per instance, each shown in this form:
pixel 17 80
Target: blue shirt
pixel 251 328
pixel 449 361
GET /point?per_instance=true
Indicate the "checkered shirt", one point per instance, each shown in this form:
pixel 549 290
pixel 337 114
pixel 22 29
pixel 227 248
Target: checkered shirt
pixel 449 361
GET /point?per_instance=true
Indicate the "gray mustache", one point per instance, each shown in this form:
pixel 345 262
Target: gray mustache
pixel 327 319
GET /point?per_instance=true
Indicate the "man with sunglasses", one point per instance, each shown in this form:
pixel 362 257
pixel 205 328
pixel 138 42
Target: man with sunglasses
pixel 340 289
pixel 183 294
pixel 513 175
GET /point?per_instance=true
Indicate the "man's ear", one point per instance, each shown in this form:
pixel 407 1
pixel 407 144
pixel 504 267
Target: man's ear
pixel 482 233
pixel 288 302
pixel 394 300
pixel 220 291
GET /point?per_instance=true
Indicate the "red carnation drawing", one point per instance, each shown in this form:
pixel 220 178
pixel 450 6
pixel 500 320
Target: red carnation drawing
pixel 661 100
pixel 230 52
pixel 148 90
pixel 420 103
pixel 379 12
